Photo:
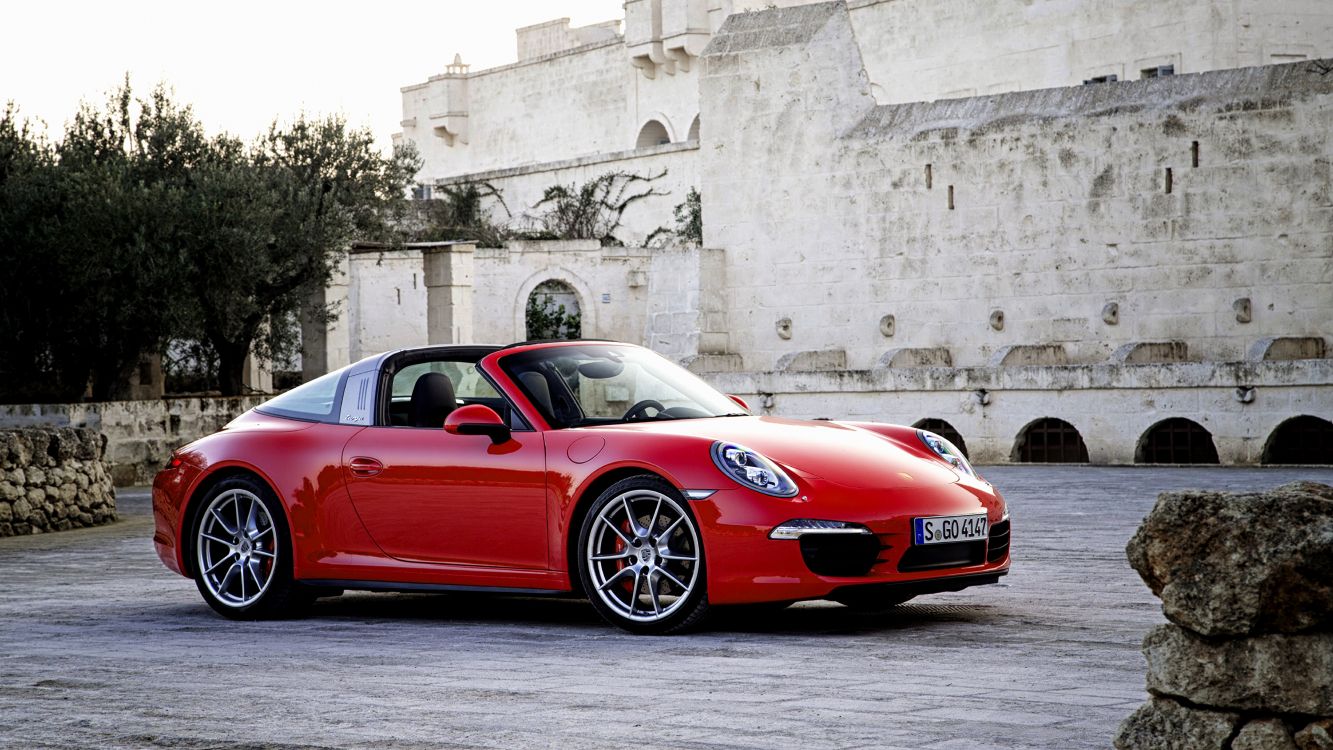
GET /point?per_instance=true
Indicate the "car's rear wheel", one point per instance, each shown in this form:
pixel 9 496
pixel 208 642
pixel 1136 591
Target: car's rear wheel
pixel 243 553
pixel 641 558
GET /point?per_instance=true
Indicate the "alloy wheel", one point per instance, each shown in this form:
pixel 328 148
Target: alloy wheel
pixel 237 548
pixel 643 555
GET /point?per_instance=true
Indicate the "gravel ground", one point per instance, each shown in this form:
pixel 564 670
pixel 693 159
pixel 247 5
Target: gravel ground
pixel 100 646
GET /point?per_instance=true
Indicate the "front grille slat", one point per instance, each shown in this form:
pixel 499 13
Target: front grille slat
pixel 999 542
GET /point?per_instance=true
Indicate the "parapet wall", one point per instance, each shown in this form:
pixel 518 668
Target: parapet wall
pixel 52 480
pixel 139 435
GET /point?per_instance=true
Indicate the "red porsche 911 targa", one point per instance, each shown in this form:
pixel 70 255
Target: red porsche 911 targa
pixel 585 467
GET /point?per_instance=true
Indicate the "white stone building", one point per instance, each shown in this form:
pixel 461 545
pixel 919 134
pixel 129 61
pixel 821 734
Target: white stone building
pixel 918 210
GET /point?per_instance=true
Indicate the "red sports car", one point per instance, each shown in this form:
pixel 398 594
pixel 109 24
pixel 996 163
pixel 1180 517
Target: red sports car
pixel 596 468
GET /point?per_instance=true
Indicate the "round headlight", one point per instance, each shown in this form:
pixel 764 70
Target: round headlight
pixel 947 452
pixel 752 470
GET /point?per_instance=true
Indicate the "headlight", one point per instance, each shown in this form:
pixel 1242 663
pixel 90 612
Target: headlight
pixel 752 470
pixel 947 452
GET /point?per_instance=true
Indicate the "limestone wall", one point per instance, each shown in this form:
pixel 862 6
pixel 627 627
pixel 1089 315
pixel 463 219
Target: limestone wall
pixel 139 435
pixel 919 50
pixel 52 480
pixel 1111 406
pixel 1247 585
pixel 522 187
pixel 1018 219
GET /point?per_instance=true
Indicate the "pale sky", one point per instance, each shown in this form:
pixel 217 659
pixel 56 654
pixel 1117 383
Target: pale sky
pixel 243 62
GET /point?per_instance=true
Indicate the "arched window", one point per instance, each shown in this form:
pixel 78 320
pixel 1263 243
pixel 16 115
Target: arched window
pixel 653 133
pixel 944 430
pixel 1300 440
pixel 1176 441
pixel 1050 441
pixel 694 131
pixel 553 312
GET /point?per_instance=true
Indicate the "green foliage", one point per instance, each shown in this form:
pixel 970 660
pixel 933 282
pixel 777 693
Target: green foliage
pixel 690 218
pixel 593 210
pixel 548 320
pixel 459 213
pixel 689 227
pixel 138 233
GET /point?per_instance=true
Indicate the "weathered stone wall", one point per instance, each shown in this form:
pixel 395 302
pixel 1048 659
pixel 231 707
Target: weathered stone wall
pixel 52 480
pixel 522 187
pixel 919 50
pixel 1034 218
pixel 140 435
pixel 1246 581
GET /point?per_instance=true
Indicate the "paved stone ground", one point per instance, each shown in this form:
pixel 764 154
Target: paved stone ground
pixel 102 647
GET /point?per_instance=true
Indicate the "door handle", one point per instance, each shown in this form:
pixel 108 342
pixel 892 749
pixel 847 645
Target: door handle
pixel 364 466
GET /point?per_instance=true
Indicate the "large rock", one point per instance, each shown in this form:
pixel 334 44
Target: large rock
pixel 1164 724
pixel 1281 674
pixel 1241 564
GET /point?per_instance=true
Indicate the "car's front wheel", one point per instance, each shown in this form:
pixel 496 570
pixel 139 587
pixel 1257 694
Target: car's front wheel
pixel 641 558
pixel 243 553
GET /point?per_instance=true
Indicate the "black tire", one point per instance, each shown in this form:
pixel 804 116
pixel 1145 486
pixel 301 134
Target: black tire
pixel 687 612
pixel 281 597
pixel 870 602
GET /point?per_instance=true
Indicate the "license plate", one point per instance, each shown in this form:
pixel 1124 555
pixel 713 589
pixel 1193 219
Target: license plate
pixel 944 529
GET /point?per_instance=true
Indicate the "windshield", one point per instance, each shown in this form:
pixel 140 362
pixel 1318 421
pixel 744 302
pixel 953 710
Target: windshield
pixel 575 386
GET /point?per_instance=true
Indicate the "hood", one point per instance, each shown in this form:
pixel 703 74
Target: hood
pixel 834 452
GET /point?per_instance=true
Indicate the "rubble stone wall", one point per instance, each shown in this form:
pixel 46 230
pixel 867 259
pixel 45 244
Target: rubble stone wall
pixel 1246 582
pixel 52 480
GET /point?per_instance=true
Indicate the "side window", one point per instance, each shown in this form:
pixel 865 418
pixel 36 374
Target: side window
pixel 469 386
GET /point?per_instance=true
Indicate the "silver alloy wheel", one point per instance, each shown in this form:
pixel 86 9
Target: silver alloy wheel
pixel 643 555
pixel 237 548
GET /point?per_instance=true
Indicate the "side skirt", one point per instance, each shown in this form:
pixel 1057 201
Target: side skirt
pixel 418 588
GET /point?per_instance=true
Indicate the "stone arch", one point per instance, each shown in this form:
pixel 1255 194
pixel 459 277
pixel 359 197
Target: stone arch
pixel 944 430
pixel 582 294
pixel 1176 441
pixel 694 130
pixel 1050 441
pixel 1304 439
pixel 655 132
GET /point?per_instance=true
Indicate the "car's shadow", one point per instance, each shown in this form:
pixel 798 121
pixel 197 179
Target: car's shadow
pixel 803 618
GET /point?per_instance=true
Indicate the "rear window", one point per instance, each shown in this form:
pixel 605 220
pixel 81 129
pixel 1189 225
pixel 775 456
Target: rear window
pixel 313 400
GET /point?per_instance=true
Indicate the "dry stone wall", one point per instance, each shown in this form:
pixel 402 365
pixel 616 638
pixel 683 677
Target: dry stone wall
pixel 140 435
pixel 52 480
pixel 1246 581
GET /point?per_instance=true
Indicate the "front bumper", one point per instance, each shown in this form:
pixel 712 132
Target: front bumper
pixel 746 566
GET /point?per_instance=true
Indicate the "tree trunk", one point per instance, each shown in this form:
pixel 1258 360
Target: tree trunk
pixel 231 368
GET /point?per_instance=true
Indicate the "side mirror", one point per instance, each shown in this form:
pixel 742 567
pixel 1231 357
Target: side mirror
pixel 739 401
pixel 477 419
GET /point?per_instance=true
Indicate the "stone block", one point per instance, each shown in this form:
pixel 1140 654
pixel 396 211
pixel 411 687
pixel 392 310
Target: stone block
pixel 1164 724
pixel 1288 348
pixel 1027 355
pixel 1150 352
pixel 935 356
pixel 1285 674
pixel 1237 564
pixel 1264 734
pixel 1317 735
pixel 818 360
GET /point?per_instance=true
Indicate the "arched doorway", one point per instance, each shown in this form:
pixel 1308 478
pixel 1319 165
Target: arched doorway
pixel 1176 441
pixel 944 430
pixel 1300 440
pixel 652 134
pixel 553 312
pixel 694 130
pixel 1050 441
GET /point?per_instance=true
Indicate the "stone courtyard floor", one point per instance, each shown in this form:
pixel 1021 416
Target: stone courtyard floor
pixel 101 647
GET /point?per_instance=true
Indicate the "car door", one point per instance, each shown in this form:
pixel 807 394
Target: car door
pixel 425 495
